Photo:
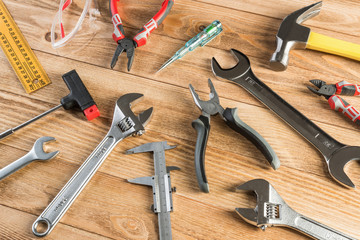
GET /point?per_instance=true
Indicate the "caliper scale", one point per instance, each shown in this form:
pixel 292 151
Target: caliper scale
pixel 160 183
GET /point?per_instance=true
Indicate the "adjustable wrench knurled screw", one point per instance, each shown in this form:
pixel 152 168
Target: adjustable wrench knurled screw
pixel 271 210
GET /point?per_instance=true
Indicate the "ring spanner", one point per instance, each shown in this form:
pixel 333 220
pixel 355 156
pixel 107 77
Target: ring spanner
pixel 124 124
pixel 335 153
pixel 271 210
pixel 36 153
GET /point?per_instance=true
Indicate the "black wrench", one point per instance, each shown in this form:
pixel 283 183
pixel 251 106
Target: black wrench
pixel 336 154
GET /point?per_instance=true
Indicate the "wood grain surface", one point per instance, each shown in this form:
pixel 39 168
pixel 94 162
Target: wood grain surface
pixel 111 208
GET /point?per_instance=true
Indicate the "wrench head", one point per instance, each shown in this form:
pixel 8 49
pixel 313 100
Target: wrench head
pixel 38 149
pixel 210 107
pixel 125 120
pixel 337 162
pixel 270 205
pixel 234 73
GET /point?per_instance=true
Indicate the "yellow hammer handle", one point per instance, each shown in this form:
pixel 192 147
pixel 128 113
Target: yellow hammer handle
pixel 335 46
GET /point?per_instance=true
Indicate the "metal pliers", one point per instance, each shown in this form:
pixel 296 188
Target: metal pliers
pixel 336 102
pixel 129 45
pixel 202 126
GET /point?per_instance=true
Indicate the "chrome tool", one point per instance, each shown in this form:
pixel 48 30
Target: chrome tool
pixel 36 153
pixel 161 185
pixel 271 210
pixel 124 124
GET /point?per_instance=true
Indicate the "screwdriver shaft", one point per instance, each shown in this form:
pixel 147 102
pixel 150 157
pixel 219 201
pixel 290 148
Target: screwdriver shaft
pixel 12 130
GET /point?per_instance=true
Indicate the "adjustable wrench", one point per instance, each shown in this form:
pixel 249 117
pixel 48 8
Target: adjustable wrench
pixel 335 153
pixel 36 153
pixel 124 124
pixel 271 210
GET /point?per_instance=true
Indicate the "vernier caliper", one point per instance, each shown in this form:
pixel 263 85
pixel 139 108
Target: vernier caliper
pixel 160 183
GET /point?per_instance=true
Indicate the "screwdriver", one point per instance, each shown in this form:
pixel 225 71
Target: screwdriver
pixel 208 34
pixel 79 98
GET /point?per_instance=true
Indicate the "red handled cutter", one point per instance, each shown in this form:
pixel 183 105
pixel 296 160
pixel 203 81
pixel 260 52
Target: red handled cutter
pixel 128 45
pixel 336 102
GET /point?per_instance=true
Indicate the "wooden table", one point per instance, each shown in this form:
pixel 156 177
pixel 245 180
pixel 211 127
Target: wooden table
pixel 111 208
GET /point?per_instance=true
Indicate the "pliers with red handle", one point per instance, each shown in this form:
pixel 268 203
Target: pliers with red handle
pixel 129 45
pixel 336 102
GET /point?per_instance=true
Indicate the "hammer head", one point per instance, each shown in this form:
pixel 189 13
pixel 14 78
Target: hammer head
pixel 292 35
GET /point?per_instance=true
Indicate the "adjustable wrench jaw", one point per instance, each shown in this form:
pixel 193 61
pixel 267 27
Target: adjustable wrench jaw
pixel 271 209
pixel 125 122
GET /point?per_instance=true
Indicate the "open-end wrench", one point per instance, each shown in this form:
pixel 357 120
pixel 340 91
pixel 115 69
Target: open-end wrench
pixel 36 153
pixel 335 153
pixel 271 210
pixel 124 124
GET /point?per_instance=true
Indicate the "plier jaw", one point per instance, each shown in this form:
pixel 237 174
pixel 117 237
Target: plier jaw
pixel 124 45
pixel 325 90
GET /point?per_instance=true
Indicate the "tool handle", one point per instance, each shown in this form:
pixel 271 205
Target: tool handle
pixel 16 165
pixel 119 32
pixel 335 46
pixel 144 33
pixel 66 197
pixel 338 104
pixel 79 97
pixel 234 122
pixel 348 89
pixel 202 127
pixel 317 230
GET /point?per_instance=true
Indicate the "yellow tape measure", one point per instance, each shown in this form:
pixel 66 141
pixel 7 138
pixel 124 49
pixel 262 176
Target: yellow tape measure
pixel 17 50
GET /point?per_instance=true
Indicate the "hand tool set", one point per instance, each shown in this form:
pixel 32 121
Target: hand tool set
pixel 271 209
pixel 336 102
pixel 160 183
pixel 202 126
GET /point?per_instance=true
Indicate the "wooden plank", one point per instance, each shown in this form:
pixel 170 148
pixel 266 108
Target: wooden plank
pixel 107 207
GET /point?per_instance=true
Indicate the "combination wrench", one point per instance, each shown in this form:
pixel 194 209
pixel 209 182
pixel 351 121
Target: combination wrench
pixel 272 210
pixel 336 154
pixel 124 124
pixel 36 153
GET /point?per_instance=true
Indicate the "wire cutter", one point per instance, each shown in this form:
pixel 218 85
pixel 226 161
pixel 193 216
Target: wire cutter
pixel 202 126
pixel 128 45
pixel 336 102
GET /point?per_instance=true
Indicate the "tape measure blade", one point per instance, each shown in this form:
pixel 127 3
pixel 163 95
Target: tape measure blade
pixel 18 52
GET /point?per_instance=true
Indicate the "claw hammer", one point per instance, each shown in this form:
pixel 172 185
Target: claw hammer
pixel 292 34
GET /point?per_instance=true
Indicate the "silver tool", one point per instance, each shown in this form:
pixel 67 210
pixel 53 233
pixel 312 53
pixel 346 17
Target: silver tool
pixel 160 183
pixel 271 210
pixel 36 153
pixel 124 124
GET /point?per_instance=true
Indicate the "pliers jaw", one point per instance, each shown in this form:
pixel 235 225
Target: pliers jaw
pixel 210 107
pixel 124 45
pixel 324 89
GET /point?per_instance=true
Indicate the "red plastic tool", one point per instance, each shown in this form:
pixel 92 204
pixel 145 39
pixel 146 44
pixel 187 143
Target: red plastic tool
pixel 140 39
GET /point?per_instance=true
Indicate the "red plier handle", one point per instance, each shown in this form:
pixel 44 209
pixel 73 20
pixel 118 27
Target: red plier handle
pixel 349 89
pixel 143 34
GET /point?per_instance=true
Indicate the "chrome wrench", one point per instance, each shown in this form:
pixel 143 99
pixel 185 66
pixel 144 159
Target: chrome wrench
pixel 124 124
pixel 271 210
pixel 36 153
